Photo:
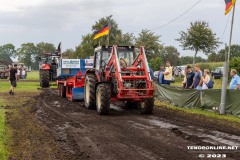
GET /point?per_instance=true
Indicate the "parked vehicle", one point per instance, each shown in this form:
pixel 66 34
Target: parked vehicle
pixel 218 73
pixel 179 70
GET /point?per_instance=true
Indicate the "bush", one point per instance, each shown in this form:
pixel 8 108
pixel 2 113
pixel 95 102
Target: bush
pixel 155 63
pixel 235 64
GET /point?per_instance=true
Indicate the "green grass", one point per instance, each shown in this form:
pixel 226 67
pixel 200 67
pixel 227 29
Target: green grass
pixel 204 113
pixel 34 75
pixel 21 86
pixel 3 137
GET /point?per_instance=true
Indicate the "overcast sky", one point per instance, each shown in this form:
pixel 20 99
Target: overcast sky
pixel 53 21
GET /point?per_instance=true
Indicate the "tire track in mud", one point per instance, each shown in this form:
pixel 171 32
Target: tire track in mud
pixel 124 134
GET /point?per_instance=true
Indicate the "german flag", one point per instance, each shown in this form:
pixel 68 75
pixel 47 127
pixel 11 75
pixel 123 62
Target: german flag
pixel 229 5
pixel 102 32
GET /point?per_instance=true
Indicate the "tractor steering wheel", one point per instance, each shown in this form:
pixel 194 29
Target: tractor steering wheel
pixel 123 60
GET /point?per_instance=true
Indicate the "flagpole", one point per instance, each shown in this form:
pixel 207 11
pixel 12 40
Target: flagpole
pixel 109 27
pixel 222 106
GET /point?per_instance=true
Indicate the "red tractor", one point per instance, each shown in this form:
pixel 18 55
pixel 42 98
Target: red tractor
pixel 120 73
pixel 48 65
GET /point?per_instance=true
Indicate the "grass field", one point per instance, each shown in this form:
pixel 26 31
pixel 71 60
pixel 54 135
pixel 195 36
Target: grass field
pixel 34 75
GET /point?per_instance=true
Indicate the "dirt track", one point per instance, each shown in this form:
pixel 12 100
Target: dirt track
pixel 125 134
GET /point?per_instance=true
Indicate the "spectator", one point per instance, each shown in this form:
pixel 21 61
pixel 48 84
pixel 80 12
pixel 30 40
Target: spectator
pixel 13 77
pixel 18 73
pixel 205 79
pixel 23 74
pixel 190 77
pixel 160 75
pixel 151 73
pixel 179 71
pixel 197 80
pixel 184 82
pixel 168 73
pixel 235 82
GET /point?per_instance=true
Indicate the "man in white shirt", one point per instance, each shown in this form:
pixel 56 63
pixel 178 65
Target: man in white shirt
pixel 23 74
pixel 168 73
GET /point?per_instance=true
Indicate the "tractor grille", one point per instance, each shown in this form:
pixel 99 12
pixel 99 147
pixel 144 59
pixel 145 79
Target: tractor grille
pixel 134 84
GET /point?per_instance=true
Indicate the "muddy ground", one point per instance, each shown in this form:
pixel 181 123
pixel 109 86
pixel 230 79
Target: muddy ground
pixel 49 127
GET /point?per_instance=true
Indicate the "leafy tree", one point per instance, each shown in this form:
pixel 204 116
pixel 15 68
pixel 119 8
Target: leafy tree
pixel 155 63
pixel 151 42
pixel 45 48
pixel 27 53
pixel 189 59
pixel 85 49
pixel 42 48
pixel 6 52
pixel 69 53
pixel 114 31
pixel 213 57
pixel 171 54
pixel 199 38
pixel 235 64
pixel 126 39
pixel 220 56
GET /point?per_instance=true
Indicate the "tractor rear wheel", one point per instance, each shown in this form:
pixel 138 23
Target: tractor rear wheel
pixel 90 92
pixel 61 90
pixel 103 98
pixel 147 106
pixel 44 78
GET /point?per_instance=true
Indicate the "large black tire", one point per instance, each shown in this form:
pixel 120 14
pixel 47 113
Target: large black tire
pixel 44 78
pixel 147 106
pixel 61 90
pixel 103 98
pixel 90 91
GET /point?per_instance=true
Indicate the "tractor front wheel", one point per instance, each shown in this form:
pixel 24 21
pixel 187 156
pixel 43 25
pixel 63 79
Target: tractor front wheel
pixel 90 92
pixel 44 78
pixel 147 106
pixel 103 98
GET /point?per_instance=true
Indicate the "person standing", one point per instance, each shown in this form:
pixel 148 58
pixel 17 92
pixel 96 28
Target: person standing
pixel 168 73
pixel 206 79
pixel 23 74
pixel 235 81
pixel 160 75
pixel 151 73
pixel 13 77
pixel 190 77
pixel 197 80
pixel 18 73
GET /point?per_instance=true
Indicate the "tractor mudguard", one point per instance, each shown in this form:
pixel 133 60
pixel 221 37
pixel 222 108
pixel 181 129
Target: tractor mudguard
pixel 46 67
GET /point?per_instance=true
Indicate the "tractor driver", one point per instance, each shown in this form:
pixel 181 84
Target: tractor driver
pixel 54 61
pixel 123 63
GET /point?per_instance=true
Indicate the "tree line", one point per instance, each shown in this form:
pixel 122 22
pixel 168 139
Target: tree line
pixel 199 37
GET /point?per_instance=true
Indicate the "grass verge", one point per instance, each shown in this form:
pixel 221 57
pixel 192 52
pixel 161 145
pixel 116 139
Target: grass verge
pixel 207 114
pixel 3 137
